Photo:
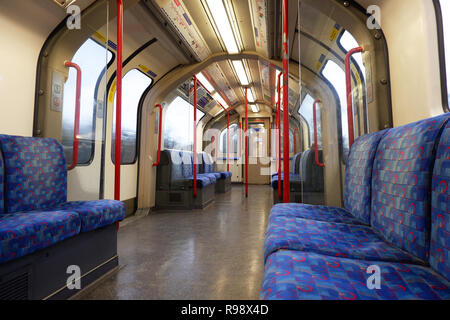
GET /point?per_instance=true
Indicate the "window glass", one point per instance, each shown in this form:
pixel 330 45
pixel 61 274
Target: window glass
pixel 306 112
pixel 333 73
pixel 445 9
pixel 134 83
pixel 92 59
pixel 178 126
pixel 348 42
pixel 234 138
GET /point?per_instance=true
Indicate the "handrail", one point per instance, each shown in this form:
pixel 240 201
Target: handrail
pixel 195 137
pixel 348 80
pixel 285 46
pixel 228 123
pixel 158 160
pixel 118 148
pixel 316 146
pixel 295 140
pixel 76 126
pixel 279 134
pixel 246 143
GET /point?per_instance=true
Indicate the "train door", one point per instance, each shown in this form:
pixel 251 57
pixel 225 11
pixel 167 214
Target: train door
pixel 259 160
pixel 73 71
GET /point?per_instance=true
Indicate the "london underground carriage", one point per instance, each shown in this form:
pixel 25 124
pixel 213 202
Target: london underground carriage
pixel 185 138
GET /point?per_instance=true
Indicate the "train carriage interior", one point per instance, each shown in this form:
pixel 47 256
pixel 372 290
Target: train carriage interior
pixel 224 150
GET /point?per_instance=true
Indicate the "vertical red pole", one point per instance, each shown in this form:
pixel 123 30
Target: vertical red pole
pixel 279 135
pixel 117 157
pixel 195 137
pixel 286 101
pixel 348 80
pixel 316 146
pixel 240 138
pixel 228 141
pixel 246 144
pixel 158 160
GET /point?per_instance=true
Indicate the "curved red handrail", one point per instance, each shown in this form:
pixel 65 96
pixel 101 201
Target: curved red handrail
pixel 351 134
pixel 158 159
pixel 76 127
pixel 316 147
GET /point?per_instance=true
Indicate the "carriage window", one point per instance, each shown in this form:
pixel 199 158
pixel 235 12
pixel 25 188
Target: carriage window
pixel 336 76
pixel 348 42
pixel 178 119
pixel 91 59
pixel 234 137
pixel 134 83
pixel 306 112
pixel 445 11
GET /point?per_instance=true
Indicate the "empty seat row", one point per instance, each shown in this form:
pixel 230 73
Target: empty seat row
pixel 175 180
pixel 34 211
pixel 306 181
pixel 395 220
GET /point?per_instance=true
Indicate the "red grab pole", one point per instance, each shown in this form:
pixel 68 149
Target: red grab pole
pixel 246 144
pixel 279 134
pixel 348 80
pixel 285 102
pixel 316 146
pixel 228 141
pixel 158 160
pixel 117 157
pixel 195 137
pixel 76 126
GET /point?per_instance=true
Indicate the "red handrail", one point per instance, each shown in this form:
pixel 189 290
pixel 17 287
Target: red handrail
pixel 286 101
pixel 158 160
pixel 195 137
pixel 348 80
pixel 228 122
pixel 279 133
pixel 76 126
pixel 246 144
pixel 316 147
pixel 118 101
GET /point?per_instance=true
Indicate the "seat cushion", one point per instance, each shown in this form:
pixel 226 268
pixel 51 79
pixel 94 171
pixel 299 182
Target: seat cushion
pixel 293 178
pixel 313 212
pixel 210 176
pixel 202 181
pixel 333 239
pixel 217 175
pixel 293 275
pixel 26 232
pixel 226 174
pixel 96 213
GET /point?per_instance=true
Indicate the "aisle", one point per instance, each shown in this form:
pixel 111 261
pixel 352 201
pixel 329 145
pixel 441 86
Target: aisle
pixel 215 253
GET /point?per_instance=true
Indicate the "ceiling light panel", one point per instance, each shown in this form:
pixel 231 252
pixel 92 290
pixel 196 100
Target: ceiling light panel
pixel 254 107
pixel 222 22
pixel 205 82
pixel 240 72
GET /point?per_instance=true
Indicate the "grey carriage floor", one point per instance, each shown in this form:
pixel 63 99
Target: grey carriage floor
pixel 215 253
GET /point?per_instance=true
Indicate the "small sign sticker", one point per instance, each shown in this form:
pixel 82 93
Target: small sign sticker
pixel 57 91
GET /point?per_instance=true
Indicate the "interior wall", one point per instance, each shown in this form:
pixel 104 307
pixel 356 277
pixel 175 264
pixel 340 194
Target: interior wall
pixel 410 30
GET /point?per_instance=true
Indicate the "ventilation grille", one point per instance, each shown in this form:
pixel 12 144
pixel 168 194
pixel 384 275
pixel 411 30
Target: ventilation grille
pixel 15 286
pixel 175 197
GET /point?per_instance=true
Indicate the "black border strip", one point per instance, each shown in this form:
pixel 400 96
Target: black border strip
pixel 441 49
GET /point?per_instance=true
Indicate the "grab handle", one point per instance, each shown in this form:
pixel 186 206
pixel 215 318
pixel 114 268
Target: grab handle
pixel 158 160
pixel 316 147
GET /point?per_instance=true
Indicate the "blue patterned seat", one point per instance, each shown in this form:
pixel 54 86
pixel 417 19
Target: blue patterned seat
pixel 26 232
pixel 207 167
pixel 36 180
pixel 358 178
pixel 294 275
pixel 334 239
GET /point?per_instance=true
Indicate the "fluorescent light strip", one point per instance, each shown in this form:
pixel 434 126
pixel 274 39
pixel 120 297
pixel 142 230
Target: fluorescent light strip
pixel 219 14
pixel 219 98
pixel 250 97
pixel 254 107
pixel 205 82
pixel 240 71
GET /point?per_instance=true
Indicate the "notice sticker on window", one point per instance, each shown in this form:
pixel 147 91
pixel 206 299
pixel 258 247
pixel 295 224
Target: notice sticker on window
pixel 57 91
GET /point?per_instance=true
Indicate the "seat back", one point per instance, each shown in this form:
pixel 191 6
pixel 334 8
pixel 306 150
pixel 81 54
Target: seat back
pixel 2 186
pixel 208 163
pixel 296 163
pixel 310 173
pixel 401 185
pixel 358 175
pixel 187 164
pixel 35 173
pixel 440 208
